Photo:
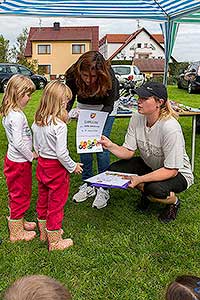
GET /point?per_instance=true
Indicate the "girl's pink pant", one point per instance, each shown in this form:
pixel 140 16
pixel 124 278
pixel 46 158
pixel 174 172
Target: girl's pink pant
pixel 19 182
pixel 53 188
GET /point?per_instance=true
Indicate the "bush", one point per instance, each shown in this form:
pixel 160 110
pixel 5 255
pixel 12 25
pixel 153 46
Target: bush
pixel 121 62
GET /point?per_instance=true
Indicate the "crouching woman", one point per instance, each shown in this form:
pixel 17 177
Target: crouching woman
pixel 163 166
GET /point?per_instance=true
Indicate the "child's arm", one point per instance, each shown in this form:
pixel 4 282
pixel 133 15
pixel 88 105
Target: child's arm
pixel 35 144
pixel 17 124
pixel 61 148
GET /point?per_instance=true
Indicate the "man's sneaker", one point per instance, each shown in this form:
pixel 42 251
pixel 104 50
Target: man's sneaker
pixel 85 192
pixel 101 198
pixel 169 213
pixel 144 203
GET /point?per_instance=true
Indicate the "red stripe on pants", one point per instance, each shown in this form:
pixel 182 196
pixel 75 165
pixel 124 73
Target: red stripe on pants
pixel 53 188
pixel 19 182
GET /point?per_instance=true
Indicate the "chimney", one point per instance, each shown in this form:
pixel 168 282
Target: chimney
pixel 56 26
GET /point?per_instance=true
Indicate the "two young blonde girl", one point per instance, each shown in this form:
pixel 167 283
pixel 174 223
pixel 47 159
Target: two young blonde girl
pixel 54 162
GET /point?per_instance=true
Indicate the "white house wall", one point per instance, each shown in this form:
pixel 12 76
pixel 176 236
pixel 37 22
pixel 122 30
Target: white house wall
pixel 142 38
pixel 103 49
pixel 108 49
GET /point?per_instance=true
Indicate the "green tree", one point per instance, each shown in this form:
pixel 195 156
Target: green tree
pixel 4 49
pixel 18 51
pixel 177 67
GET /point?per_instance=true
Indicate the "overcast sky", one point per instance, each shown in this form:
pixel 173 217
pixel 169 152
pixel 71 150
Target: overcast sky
pixel 186 47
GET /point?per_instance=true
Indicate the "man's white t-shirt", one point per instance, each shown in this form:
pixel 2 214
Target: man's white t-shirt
pixel 19 137
pixel 161 145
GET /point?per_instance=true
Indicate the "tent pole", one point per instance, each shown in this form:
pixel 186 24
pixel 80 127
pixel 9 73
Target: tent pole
pixel 169 30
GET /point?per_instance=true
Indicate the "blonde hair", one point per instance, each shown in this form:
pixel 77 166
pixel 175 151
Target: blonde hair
pixel 18 85
pixel 166 110
pixel 51 104
pixel 37 287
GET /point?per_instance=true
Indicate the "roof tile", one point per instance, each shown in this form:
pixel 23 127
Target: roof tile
pixel 90 33
pixel 150 65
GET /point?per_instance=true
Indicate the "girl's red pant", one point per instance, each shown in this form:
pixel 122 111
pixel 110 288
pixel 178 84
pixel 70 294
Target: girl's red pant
pixel 19 182
pixel 53 188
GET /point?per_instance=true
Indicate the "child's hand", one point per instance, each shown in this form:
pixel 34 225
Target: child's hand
pixel 78 169
pixel 35 155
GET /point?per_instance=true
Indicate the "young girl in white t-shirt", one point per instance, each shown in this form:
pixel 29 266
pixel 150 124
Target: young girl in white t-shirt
pixel 17 165
pixel 54 163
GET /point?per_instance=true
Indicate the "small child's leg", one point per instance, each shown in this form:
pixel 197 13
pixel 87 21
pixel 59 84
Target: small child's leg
pixel 58 198
pixel 29 225
pixel 56 242
pixel 19 183
pixel 42 230
pixel 17 232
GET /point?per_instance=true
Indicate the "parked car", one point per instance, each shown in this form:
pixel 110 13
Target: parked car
pixel 190 78
pixel 7 70
pixel 128 72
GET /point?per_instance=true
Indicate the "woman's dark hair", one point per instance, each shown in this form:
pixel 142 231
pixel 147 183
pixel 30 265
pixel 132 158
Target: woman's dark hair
pixel 88 62
pixel 184 288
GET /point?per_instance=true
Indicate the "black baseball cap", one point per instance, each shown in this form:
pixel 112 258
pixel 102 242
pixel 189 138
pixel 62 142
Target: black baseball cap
pixel 151 88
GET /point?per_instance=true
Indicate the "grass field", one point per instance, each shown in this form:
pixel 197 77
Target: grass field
pixel 118 253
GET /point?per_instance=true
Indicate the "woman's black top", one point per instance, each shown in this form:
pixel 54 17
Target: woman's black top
pixel 107 100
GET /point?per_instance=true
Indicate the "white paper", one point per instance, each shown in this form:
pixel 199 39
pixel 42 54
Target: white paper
pixel 110 179
pixel 89 131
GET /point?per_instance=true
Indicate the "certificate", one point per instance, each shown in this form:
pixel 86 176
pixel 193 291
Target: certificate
pixel 110 179
pixel 89 130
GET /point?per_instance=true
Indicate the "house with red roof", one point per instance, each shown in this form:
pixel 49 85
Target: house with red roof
pixel 56 48
pixel 140 44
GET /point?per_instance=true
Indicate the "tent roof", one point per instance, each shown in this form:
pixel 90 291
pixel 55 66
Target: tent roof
pixel 161 10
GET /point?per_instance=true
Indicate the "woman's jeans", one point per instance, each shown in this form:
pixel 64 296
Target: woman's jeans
pixel 103 158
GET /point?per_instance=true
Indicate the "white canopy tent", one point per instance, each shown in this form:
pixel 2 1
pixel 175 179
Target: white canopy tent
pixel 168 12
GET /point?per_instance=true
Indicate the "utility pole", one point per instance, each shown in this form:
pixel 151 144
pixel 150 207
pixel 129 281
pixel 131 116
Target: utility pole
pixel 40 23
pixel 138 24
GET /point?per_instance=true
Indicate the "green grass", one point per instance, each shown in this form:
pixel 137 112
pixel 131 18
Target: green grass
pixel 118 253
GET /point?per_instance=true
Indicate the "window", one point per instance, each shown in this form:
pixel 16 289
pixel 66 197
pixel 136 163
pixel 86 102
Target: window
pixel 139 45
pixel 2 69
pixel 152 47
pixel 136 70
pixel 145 45
pixel 78 48
pixel 44 69
pixel 122 70
pixel 13 69
pixel 25 71
pixel 132 47
pixel 44 49
pixel 143 56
